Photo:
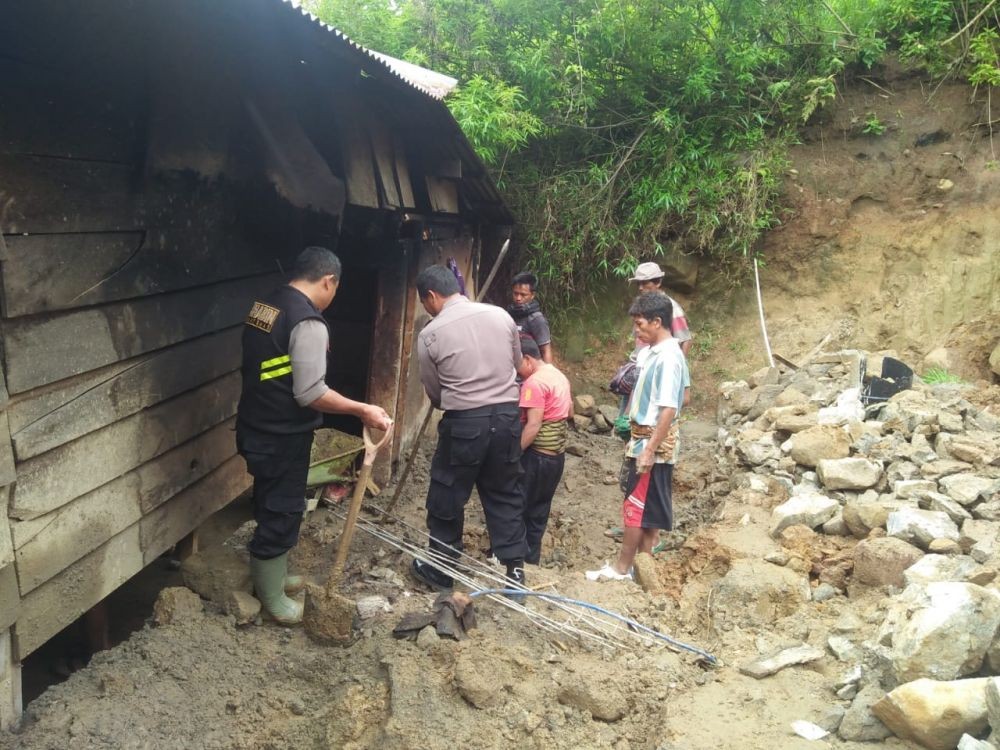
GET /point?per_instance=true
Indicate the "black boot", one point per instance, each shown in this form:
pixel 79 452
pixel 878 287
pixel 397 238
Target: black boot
pixel 427 573
pixel 515 574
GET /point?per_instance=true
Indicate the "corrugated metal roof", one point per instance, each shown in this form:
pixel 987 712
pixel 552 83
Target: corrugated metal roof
pixel 434 85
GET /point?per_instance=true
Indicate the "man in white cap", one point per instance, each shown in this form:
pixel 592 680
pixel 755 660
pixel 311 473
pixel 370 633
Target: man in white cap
pixel 649 277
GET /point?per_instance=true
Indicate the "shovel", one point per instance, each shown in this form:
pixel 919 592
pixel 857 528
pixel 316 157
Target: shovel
pixel 328 615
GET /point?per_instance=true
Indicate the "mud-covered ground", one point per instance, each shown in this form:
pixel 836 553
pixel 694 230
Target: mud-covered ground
pixel 202 681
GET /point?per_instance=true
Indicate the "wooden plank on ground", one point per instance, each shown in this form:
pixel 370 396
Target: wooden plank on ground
pixel 61 600
pixel 181 515
pixel 45 272
pixel 10 683
pixel 41 350
pixel 50 543
pixel 42 194
pixel 67 413
pixel 52 479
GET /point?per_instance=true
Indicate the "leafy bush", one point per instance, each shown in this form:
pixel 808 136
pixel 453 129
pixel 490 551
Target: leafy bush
pixel 626 129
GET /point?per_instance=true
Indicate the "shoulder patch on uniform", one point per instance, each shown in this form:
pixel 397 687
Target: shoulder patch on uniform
pixel 263 316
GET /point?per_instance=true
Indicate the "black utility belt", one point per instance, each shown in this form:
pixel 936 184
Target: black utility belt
pixel 483 411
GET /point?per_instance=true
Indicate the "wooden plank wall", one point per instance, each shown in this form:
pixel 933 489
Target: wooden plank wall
pixel 138 216
pixel 123 292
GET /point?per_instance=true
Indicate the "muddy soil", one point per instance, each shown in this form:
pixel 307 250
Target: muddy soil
pixel 202 681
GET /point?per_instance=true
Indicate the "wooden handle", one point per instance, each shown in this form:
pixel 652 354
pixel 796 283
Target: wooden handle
pixel 347 535
pixel 371 447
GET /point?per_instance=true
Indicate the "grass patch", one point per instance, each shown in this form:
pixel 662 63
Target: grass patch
pixel 938 375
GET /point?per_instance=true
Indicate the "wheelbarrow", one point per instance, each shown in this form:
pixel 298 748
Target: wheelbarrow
pixel 328 615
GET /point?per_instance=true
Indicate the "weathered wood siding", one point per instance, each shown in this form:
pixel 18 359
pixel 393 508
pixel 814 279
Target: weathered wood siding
pixel 161 164
pixel 125 275
pixel 122 304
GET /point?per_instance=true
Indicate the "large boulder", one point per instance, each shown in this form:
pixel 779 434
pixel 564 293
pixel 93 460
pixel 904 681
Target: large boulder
pixel 913 488
pixel 810 509
pixel 757 593
pixel 975 531
pixel 935 714
pixel 216 571
pixel 944 631
pixel 177 604
pixel 920 527
pixel 967 489
pixel 943 503
pixel 754 447
pixel 995 360
pixel 584 405
pixel 822 441
pixel 862 516
pixel 931 568
pixel 848 473
pixel 859 723
pixel 881 561
pixel 978 447
pixel 908 410
pixel 766 395
pixel 793 418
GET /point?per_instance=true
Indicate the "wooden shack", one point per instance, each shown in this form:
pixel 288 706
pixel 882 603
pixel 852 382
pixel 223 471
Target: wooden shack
pixel 160 164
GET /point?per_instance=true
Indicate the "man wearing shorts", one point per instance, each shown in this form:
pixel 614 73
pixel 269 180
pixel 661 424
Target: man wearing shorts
pixel 654 409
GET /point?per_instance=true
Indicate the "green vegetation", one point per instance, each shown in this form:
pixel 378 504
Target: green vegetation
pixel 873 125
pixel 625 129
pixel 938 375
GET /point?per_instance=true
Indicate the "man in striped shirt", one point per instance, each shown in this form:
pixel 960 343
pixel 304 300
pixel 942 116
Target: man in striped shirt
pixel 545 404
pixel 654 409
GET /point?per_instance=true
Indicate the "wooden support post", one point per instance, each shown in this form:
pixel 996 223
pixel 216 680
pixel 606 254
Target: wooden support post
pixel 10 683
pixel 384 366
pixel 187 546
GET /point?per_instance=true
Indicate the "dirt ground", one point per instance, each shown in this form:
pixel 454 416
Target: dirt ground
pixel 202 681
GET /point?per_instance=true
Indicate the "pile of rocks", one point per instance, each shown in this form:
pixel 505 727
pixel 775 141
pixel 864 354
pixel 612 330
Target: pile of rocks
pixel 917 480
pixel 589 416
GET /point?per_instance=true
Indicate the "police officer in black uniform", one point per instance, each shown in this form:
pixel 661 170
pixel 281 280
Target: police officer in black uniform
pixel 285 346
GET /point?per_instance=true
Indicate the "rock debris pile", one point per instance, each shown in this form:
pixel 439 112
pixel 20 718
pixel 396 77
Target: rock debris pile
pixel 893 510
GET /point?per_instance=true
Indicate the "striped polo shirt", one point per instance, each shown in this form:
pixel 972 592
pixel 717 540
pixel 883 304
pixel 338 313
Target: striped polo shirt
pixel 663 376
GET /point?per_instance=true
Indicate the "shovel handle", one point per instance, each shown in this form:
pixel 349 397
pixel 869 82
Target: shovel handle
pixel 371 447
pixel 347 535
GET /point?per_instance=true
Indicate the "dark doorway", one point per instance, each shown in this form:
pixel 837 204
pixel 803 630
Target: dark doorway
pixel 352 325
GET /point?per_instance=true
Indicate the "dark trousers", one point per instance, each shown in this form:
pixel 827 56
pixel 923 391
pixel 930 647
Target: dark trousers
pixel 542 473
pixel 279 465
pixel 478 448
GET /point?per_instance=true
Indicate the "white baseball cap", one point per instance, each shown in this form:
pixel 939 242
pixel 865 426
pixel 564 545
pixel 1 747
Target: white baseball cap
pixel 647 272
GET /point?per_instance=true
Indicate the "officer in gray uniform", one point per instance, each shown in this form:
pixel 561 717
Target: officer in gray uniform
pixel 468 357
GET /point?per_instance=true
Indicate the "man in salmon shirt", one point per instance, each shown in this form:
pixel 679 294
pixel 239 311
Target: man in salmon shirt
pixel 546 405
